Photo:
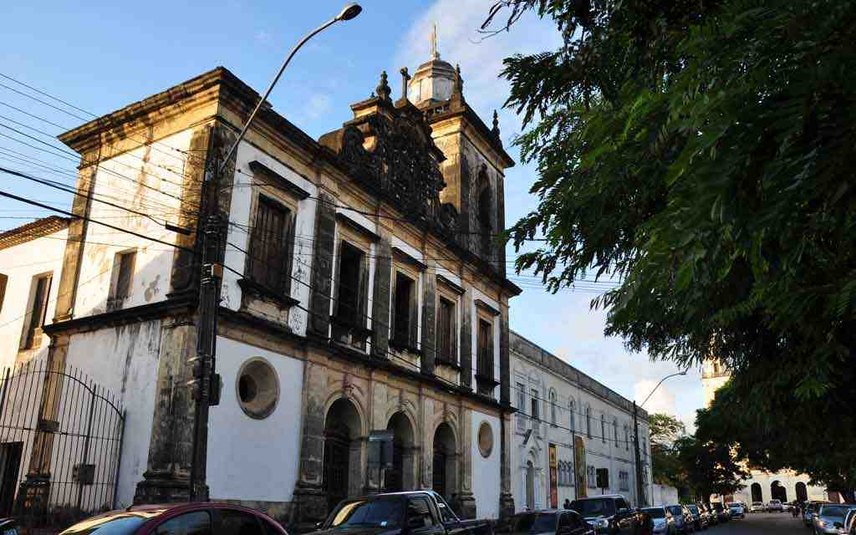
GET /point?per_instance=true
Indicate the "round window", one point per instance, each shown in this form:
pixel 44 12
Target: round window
pixel 258 388
pixel 485 440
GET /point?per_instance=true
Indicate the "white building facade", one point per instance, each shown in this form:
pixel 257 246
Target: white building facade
pixel 568 427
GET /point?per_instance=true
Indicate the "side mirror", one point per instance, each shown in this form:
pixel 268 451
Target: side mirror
pixel 318 525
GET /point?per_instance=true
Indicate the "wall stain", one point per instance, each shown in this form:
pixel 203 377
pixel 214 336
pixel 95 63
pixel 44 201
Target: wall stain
pixel 152 289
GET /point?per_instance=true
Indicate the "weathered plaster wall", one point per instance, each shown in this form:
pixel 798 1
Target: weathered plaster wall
pixel 21 263
pixel 246 187
pixel 124 361
pixel 147 179
pixel 486 470
pixel 250 459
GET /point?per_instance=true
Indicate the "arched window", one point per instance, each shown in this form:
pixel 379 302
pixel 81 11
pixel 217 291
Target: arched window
pixel 602 428
pixel 572 408
pixel 484 208
pixel 615 431
pixel 588 421
pixel 552 406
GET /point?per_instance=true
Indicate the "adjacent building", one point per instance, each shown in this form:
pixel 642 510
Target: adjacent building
pixel 567 428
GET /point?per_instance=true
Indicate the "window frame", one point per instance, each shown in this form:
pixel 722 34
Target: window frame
pixel 31 331
pixel 553 409
pixel 588 421
pixel 452 334
pixel 282 204
pixel 4 282
pixel 400 273
pixel 572 407
pixel 114 299
pixel 534 404
pixel 353 332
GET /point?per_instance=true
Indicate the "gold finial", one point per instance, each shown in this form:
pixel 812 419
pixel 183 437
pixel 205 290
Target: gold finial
pixel 435 51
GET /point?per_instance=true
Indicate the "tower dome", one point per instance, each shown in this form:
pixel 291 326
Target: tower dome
pixel 434 80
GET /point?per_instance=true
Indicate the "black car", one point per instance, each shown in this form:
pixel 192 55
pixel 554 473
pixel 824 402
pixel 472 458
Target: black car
pixel 546 522
pixel 396 513
pixel 610 514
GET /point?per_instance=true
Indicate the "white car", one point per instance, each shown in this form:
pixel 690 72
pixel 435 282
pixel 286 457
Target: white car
pixel 775 505
pixel 757 507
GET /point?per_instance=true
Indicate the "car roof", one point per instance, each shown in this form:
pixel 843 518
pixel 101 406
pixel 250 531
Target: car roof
pixel 612 496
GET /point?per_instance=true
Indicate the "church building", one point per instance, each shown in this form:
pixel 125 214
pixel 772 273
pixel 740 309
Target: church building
pixel 362 338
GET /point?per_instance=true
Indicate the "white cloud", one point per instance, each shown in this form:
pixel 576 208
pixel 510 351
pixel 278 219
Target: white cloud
pixel 662 400
pixel 318 105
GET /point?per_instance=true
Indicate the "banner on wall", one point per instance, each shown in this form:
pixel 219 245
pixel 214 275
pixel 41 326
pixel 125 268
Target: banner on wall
pixel 580 466
pixel 554 476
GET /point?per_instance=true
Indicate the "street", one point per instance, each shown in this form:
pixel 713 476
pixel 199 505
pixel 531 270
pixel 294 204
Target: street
pixel 763 524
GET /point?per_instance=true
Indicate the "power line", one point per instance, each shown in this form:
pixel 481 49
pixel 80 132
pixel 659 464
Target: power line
pixel 108 225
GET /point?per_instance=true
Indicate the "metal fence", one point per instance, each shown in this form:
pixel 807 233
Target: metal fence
pixel 60 445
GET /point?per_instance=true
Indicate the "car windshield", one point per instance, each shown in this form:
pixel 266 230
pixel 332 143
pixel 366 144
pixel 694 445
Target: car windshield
pixel 834 510
pixel 382 512
pixel 655 512
pixel 693 509
pixel 675 510
pixel 111 524
pixel 734 506
pixel 595 507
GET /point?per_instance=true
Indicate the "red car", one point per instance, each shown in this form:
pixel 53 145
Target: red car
pixel 198 518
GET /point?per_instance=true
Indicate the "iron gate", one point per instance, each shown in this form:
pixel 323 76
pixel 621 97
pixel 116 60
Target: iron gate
pixel 60 445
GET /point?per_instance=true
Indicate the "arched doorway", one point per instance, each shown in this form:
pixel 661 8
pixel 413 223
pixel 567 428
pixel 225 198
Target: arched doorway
pixel 802 492
pixel 341 451
pixel 530 486
pixel 778 492
pixel 757 496
pixel 400 477
pixel 444 465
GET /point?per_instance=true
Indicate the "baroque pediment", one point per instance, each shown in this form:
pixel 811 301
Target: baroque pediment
pixel 388 148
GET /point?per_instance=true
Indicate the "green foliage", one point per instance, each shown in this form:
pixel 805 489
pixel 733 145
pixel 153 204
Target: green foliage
pixel 709 467
pixel 664 430
pixel 702 152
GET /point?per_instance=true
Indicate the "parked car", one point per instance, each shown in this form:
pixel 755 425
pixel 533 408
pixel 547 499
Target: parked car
pixel 736 510
pixel 682 517
pixel 775 505
pixel 546 522
pixel 809 512
pixel 420 512
pixel 830 518
pixel 849 525
pixel 721 512
pixel 609 514
pixel 179 519
pixel 709 514
pixel 662 520
pixel 8 526
pixel 757 507
pixel 699 520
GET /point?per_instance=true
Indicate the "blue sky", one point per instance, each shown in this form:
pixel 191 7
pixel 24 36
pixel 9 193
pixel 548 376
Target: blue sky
pixel 101 55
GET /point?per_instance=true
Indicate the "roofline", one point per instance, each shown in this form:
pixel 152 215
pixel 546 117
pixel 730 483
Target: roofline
pixel 33 230
pixel 642 413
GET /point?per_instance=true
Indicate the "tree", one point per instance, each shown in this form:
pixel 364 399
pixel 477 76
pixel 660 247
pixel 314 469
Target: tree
pixel 701 153
pixel 709 467
pixel 664 430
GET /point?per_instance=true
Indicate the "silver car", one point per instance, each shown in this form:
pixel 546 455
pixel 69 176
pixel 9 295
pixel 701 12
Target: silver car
pixel 663 523
pixel 830 519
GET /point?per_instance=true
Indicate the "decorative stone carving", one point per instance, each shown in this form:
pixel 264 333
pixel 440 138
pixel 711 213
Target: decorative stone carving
pixel 392 152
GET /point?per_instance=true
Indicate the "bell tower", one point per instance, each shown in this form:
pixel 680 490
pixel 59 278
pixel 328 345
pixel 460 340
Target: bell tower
pixel 475 160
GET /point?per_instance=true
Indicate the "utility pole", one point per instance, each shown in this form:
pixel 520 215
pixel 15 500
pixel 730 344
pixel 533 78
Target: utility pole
pixel 206 382
pixel 639 486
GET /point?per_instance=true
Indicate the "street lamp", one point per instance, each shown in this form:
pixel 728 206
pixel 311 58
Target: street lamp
pixel 639 490
pixel 203 363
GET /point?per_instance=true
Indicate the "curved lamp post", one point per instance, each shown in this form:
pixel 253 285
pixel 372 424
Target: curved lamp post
pixel 640 494
pixel 347 13
pixel 209 289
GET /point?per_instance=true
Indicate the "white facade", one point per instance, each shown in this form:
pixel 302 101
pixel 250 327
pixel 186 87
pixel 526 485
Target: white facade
pixel 561 406
pixel 254 459
pixel 25 254
pixel 486 470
